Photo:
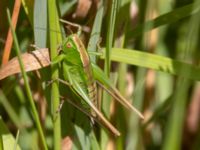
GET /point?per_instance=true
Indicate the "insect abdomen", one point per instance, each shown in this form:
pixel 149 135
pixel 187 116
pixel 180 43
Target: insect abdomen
pixel 91 87
pixel 92 92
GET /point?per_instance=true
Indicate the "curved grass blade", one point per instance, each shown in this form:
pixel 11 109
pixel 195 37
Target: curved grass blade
pixel 167 18
pixel 156 62
pixel 27 87
pixel 32 61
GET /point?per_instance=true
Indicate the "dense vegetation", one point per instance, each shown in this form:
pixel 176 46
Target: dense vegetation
pixel 148 49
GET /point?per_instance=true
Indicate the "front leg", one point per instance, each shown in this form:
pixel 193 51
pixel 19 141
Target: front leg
pixel 58 59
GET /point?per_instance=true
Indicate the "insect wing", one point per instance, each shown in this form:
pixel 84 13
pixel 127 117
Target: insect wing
pixel 78 89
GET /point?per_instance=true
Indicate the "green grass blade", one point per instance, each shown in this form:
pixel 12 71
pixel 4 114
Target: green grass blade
pixel 94 142
pixel 11 112
pixel 109 43
pixel 55 40
pixel 175 122
pixel 120 31
pixel 159 111
pixel 7 141
pixel 153 61
pixel 40 23
pixel 167 18
pixel 174 129
pixel 66 6
pixel 84 140
pixel 17 138
pixel 96 30
pixel 27 87
pixel 1 142
pixel 28 7
pixel 92 47
pixel 110 35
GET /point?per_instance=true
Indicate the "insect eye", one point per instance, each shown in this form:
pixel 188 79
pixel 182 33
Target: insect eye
pixel 68 45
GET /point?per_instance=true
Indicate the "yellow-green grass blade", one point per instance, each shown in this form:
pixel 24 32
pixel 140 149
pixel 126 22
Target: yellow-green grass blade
pixel 7 141
pixel 28 7
pixel 156 62
pixel 55 39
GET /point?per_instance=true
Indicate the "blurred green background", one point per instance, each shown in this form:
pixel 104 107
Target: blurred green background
pixel 164 86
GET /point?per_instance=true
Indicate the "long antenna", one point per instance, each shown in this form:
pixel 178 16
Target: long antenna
pixel 73 24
